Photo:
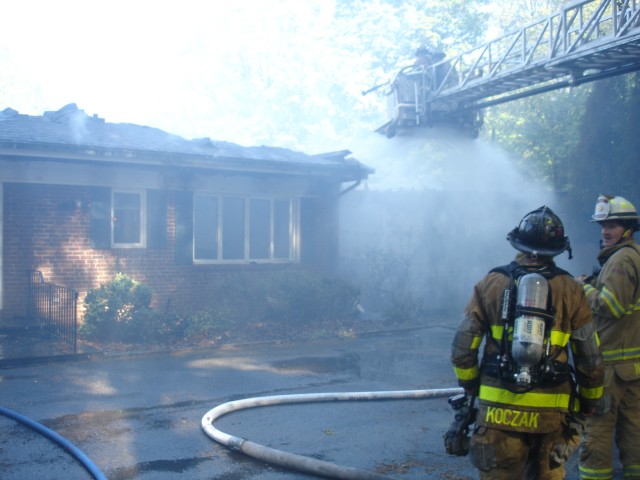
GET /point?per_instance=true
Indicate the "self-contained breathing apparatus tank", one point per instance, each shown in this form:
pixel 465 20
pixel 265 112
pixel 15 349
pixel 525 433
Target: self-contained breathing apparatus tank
pixel 527 345
pixel 540 233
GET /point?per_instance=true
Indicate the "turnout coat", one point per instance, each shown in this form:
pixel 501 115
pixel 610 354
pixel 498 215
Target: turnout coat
pixel 542 407
pixel 614 296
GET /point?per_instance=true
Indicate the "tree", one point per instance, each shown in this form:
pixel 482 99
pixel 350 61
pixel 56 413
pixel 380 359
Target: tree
pixel 606 160
pixel 541 133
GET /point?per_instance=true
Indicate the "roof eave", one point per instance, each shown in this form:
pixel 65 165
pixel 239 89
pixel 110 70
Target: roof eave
pixel 84 153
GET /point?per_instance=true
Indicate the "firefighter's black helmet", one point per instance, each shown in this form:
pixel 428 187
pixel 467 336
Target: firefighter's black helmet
pixel 540 232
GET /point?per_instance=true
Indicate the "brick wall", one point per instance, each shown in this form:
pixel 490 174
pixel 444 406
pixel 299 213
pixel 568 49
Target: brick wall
pixel 47 228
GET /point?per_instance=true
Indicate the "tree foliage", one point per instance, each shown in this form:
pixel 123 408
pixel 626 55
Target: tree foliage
pixel 580 141
pixel 541 133
pixel 305 91
pixel 607 157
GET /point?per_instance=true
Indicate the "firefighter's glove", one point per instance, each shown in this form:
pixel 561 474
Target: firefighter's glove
pixel 590 407
pixel 471 387
pixel 471 391
pixel 603 405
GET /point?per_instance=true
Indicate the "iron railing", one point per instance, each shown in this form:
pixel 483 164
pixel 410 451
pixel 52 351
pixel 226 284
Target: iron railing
pixel 54 308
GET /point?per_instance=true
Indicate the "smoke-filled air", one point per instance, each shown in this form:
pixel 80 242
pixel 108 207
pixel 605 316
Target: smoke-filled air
pixel 210 207
pixel 312 76
pixel 433 219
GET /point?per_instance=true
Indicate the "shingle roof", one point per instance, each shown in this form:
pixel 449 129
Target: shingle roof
pixel 70 130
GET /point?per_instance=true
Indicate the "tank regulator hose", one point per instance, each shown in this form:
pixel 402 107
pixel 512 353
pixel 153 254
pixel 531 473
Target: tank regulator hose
pixel 58 439
pixel 300 462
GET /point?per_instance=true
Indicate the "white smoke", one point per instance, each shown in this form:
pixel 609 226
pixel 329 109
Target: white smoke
pixel 439 206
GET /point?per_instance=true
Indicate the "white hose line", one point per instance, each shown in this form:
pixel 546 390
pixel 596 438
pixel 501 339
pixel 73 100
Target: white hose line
pixel 299 462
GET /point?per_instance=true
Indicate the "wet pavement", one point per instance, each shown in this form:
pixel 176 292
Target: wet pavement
pixel 139 416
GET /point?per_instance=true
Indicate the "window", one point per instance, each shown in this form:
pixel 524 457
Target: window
pixel 259 228
pixel 128 219
pixel 205 231
pixel 232 229
pixel 282 231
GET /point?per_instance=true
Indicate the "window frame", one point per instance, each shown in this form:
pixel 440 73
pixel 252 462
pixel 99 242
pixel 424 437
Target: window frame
pixel 142 243
pixel 293 229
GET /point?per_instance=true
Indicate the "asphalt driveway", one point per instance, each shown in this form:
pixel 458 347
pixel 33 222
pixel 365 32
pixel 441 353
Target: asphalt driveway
pixel 139 416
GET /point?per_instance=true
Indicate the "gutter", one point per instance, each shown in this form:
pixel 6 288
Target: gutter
pixel 350 187
pixel 151 158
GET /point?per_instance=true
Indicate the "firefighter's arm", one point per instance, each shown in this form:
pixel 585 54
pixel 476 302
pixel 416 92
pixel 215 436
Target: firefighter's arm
pixel 613 297
pixel 584 279
pixel 589 367
pixel 466 344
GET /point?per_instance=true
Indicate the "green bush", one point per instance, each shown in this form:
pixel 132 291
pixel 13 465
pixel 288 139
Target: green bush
pixel 151 326
pixel 391 284
pixel 114 310
pixel 305 298
pixel 276 302
pixel 211 322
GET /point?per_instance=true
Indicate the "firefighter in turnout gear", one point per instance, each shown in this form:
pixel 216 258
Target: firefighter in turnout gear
pixel 527 315
pixel 614 294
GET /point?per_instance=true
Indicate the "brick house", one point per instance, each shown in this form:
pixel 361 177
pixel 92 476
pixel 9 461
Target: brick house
pixel 82 199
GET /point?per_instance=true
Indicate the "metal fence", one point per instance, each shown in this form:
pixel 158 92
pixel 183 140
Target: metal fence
pixel 54 308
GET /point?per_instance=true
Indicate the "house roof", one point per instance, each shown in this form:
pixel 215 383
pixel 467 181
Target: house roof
pixel 71 134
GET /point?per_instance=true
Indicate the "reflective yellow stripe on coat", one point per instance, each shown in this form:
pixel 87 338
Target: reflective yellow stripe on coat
pixel 530 399
pixel 621 354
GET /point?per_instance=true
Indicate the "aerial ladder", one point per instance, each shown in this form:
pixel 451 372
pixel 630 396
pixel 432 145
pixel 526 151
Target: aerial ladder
pixel 586 41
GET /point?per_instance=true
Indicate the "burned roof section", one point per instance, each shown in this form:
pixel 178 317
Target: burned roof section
pixel 70 132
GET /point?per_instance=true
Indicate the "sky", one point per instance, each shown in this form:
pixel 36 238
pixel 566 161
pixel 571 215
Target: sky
pixel 167 64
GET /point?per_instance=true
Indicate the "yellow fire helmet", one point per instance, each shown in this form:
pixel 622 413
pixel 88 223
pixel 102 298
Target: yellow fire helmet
pixel 614 208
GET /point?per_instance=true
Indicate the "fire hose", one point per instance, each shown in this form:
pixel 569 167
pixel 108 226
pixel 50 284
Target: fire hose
pixel 300 462
pixel 58 439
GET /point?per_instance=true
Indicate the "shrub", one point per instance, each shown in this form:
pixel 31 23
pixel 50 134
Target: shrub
pixel 112 309
pixel 211 322
pixel 277 303
pixel 391 285
pixel 150 326
pixel 305 298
